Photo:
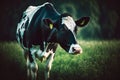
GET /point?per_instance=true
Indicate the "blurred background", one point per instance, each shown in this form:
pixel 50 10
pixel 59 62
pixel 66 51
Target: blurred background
pixel 104 16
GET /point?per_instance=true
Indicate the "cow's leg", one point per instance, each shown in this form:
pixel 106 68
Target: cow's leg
pixel 32 66
pixel 33 69
pixel 49 65
pixel 28 68
pixel 26 55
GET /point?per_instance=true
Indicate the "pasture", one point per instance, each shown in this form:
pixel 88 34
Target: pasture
pixel 100 60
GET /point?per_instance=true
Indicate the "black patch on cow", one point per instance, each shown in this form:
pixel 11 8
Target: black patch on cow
pixel 30 56
pixel 25 34
pixel 65 38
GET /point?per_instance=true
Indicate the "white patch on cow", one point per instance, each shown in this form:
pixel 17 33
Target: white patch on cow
pixel 36 52
pixel 27 16
pixel 20 27
pixel 30 11
pixel 74 46
pixel 69 22
pixel 33 51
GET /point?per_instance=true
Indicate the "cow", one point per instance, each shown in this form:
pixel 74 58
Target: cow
pixel 39 32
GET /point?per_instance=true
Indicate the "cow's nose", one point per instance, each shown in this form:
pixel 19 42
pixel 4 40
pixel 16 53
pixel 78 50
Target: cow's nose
pixel 77 50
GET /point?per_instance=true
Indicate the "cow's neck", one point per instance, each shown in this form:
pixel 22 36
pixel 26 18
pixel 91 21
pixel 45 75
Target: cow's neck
pixel 46 36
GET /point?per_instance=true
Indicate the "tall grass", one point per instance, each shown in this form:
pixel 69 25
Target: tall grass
pixel 100 60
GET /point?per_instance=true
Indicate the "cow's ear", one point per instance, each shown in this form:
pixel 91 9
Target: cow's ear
pixel 48 22
pixel 82 21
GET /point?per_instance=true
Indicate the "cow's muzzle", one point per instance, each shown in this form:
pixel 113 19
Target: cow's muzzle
pixel 75 49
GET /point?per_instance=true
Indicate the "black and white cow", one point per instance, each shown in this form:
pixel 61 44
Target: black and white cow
pixel 39 32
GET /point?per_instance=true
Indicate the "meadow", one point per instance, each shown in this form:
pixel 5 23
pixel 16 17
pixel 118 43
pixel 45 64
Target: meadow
pixel 100 60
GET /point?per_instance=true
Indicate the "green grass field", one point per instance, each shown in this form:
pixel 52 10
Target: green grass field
pixel 100 60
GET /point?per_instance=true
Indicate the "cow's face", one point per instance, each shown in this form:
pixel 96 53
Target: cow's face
pixel 66 33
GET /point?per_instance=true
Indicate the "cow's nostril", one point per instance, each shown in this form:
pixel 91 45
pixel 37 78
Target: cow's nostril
pixel 73 49
pixel 76 50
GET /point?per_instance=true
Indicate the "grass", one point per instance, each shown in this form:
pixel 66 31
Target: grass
pixel 100 60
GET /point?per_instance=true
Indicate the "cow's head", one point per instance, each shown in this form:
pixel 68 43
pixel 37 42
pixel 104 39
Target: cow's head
pixel 65 30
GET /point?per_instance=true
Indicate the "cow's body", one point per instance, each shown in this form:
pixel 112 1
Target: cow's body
pixel 44 27
pixel 37 32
